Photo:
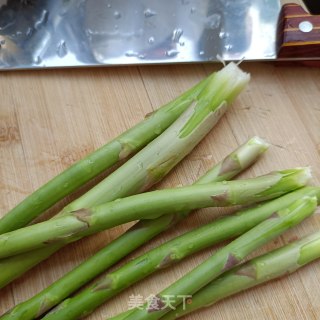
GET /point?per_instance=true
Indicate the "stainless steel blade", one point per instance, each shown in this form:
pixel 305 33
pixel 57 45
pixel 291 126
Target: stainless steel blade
pixel 62 33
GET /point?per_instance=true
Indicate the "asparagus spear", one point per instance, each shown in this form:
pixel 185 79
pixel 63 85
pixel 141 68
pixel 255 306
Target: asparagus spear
pixel 151 205
pixel 143 231
pixel 272 265
pixel 157 158
pixel 163 256
pixel 225 259
pixel 92 165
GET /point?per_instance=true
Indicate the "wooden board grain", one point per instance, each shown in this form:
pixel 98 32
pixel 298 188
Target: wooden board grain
pixel 49 119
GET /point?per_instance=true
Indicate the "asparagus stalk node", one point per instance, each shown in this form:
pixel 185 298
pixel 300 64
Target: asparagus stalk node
pixel 226 258
pixel 140 233
pixel 151 205
pixel 100 160
pixel 270 266
pixel 159 157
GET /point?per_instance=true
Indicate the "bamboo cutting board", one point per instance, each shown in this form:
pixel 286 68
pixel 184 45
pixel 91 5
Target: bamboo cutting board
pixel 49 119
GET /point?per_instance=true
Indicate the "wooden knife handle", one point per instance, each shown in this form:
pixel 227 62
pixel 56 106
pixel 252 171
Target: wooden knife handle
pixel 298 33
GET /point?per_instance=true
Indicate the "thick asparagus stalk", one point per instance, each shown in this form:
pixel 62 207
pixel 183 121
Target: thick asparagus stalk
pixel 163 256
pixel 92 165
pixel 272 265
pixel 142 232
pixel 158 157
pixel 150 205
pixel 226 258
pixel 153 162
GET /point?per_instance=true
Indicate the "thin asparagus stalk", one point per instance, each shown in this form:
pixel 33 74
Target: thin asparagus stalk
pixel 272 265
pixel 157 158
pixel 225 259
pixel 142 232
pixel 163 256
pixel 235 162
pixel 100 160
pixel 151 205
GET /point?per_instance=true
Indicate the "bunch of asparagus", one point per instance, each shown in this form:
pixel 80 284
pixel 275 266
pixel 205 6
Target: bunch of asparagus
pixel 164 139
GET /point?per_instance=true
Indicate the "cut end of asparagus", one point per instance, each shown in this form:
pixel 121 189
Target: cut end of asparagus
pixel 231 74
pixel 290 178
pixel 310 249
pixel 306 204
pixel 223 86
pixel 259 142
pixel 237 161
pixel 244 156
pixel 302 175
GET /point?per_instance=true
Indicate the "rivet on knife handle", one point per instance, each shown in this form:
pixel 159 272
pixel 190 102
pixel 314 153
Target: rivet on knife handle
pixel 298 33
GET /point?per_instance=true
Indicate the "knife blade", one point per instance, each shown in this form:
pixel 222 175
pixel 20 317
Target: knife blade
pixel 47 34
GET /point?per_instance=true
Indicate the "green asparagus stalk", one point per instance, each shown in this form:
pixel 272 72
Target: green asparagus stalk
pixel 158 157
pixel 142 232
pixel 100 160
pixel 272 265
pixel 150 205
pixel 226 258
pixel 163 256
pixel 153 162
pixel 235 162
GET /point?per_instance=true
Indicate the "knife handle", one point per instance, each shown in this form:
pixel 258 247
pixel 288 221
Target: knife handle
pixel 298 33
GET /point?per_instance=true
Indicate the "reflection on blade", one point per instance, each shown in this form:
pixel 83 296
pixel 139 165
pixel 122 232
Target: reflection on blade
pixel 37 34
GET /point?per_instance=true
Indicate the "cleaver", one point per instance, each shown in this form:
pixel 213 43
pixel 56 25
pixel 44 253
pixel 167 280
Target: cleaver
pixel 38 34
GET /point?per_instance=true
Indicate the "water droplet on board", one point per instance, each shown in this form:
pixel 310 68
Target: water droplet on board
pixel 38 60
pixel 213 21
pixel 42 20
pixel 176 35
pixel 29 32
pixel 201 53
pixel 223 35
pixel 172 53
pixel 151 40
pixel 117 15
pixel 109 5
pixel 131 53
pixel 149 13
pixel 62 49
